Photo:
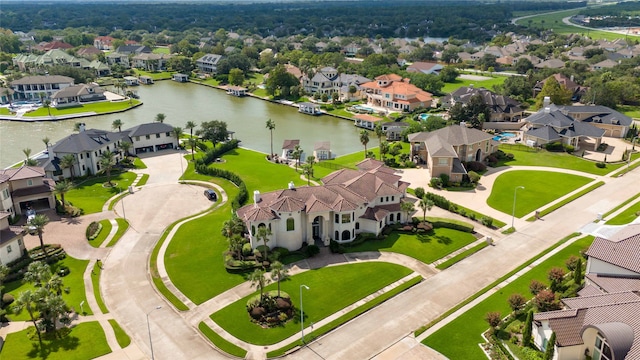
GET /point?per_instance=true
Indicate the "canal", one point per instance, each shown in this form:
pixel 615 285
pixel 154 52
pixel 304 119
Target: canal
pixel 182 102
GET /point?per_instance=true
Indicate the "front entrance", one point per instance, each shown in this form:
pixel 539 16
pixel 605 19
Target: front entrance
pixel 316 230
pixel 479 155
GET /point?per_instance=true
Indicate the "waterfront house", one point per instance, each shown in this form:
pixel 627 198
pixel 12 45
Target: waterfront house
pixel 208 63
pixel 78 94
pixel 309 108
pixel 288 146
pixel 348 203
pixel 146 80
pixel 131 80
pixel 151 137
pixel 150 61
pixel 394 93
pixel 8 96
pixel 393 130
pixel 11 240
pixel 56 57
pixel 238 91
pixel 443 151
pixel 180 77
pixel 32 87
pixel 328 81
pixel 116 58
pixel 366 121
pixel 322 150
pixel 26 187
pixel 502 108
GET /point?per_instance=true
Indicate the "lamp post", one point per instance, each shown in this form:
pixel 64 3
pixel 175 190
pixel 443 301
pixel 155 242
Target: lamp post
pixel 149 330
pixel 513 212
pixel 302 312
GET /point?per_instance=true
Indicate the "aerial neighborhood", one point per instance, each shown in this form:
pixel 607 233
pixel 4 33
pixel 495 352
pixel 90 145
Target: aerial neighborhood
pixel 343 180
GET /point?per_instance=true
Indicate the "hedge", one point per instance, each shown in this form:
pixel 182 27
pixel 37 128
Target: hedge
pixel 450 224
pixel 243 194
pixel 212 154
pixel 443 203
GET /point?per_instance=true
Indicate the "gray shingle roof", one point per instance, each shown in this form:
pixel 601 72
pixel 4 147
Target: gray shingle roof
pixel 598 114
pixel 149 129
pixel 88 140
pixel 43 79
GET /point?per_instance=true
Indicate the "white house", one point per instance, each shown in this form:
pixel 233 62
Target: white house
pixel 78 94
pixel 152 137
pixel 349 203
pixel 208 63
pixel 31 87
pixel 11 240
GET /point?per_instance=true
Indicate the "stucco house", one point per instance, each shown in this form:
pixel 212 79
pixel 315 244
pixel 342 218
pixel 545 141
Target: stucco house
pixel 30 87
pixel 151 137
pixel 443 151
pixel 322 150
pixel 26 186
pixel 328 81
pixel 502 108
pixel 394 93
pixel 603 321
pixel 349 203
pixel 11 240
pixel 150 61
pixel 425 67
pixel 78 94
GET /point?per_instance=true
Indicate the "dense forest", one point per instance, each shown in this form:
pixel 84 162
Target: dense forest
pixel 462 19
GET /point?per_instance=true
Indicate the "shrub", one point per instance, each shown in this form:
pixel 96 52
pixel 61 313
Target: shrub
pixel 246 249
pixel 493 318
pixel 445 179
pixel 476 166
pixel 569 149
pixel 474 177
pixel 536 286
pixel 486 221
pixel 63 270
pixel 601 165
pixel 545 300
pixel 572 262
pixel 93 230
pixel 461 226
pixel 7 299
pixel 516 302
pixel 312 250
pixel 436 183
pixel 336 247
pixel 492 160
pixel 554 146
pixel 419 191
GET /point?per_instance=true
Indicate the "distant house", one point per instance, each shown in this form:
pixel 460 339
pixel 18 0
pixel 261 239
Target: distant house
pixel 36 63
pixel 605 64
pixel 309 108
pixel 328 81
pixel 151 137
pixel 322 150
pixel 425 67
pixel 133 49
pixel 443 151
pixel 147 80
pixel 180 77
pixel 550 64
pixel 53 45
pixel 503 108
pixel 11 240
pixel 131 80
pixel 393 130
pixel 288 146
pixel 26 187
pixel 78 94
pixel 349 203
pixel 103 42
pixel 115 58
pixel 150 61
pixel 366 121
pixel 31 87
pixel 394 93
pixel 208 63
pixel 566 82
pixel 88 52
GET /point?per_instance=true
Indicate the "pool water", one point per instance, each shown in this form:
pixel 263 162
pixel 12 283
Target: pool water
pixel 423 117
pixel 504 136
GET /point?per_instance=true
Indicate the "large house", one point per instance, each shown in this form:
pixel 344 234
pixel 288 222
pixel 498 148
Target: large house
pixel 566 82
pixel 25 187
pixel 150 61
pixel 11 240
pixel 349 203
pixel 32 87
pixel 444 150
pixel 503 108
pixel 394 93
pixel 328 81
pixel 425 67
pixel 208 63
pixel 151 137
pixel 77 94
pixel 39 63
pixel 602 322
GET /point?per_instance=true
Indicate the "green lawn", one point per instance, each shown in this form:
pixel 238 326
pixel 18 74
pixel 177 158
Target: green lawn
pixel 123 225
pixel 459 339
pixel 74 281
pixel 162 75
pixel 106 229
pixel 255 78
pixel 260 92
pixel 256 172
pixel 161 50
pixel 426 248
pixel 627 216
pixel 195 262
pixel 220 342
pixel 487 84
pixel 4 111
pixel 463 255
pixel 525 156
pixel 100 108
pixel 123 339
pixel 330 289
pixel 84 341
pixel 541 187
pixel 631 111
pixel 90 195
pixel 138 163
pixel 567 200
pixel 143 180
pixel 95 281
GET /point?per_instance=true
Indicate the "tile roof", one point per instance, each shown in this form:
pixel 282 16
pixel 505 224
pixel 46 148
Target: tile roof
pixel 322 145
pixel 611 284
pixel 621 250
pixel 21 173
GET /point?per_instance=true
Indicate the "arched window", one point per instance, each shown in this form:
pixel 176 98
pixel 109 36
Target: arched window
pixel 346 235
pixel 391 217
pixel 337 235
pixel 290 224
pixel 261 225
pixel 399 217
pixel 357 226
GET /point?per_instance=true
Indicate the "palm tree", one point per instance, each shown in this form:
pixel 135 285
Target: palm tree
pixel 107 161
pixel 69 161
pixel 364 140
pixel 125 146
pixel 7 93
pixel 177 131
pixel 46 141
pixel 233 226
pixel 271 126
pixel 61 188
pixel 236 242
pixel 47 105
pixel 278 273
pixel 379 133
pixel 263 234
pixel 425 204
pixel 37 225
pixel 407 207
pixel 27 153
pixel 193 142
pixel 190 125
pixel 160 117
pixel 258 280
pixel 117 124
pixel 296 153
pixel 28 300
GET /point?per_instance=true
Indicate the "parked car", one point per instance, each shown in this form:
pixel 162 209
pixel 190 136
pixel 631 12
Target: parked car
pixel 211 195
pixel 31 214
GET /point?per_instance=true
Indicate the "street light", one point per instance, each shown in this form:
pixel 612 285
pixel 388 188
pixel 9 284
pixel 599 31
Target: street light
pixel 149 330
pixel 302 312
pixel 513 213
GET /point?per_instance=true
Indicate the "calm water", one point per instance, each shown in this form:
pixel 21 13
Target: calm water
pixel 185 102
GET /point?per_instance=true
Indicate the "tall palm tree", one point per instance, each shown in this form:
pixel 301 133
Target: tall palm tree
pixel 278 273
pixel 160 117
pixel 193 142
pixel 26 152
pixel 233 226
pixel 61 188
pixel 364 140
pixel 296 154
pixel 379 134
pixel 263 234
pixel 177 131
pixel 190 125
pixel 271 126
pixel 28 300
pixel 107 161
pixel 125 146
pixel 258 280
pixel 46 141
pixel 69 161
pixel 47 105
pixel 29 161
pixel 425 204
pixel 117 124
pixel 37 225
pixel 407 207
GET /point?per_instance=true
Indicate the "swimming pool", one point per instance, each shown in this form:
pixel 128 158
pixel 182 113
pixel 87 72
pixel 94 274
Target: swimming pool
pixel 504 136
pixel 423 116
pixel 363 108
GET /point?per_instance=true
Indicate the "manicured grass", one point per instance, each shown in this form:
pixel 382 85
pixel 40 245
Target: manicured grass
pixel 100 108
pixel 629 200
pixel 161 50
pixel 525 156
pixel 90 195
pixel 260 92
pixel 123 339
pixel 138 163
pixel 628 167
pixel 123 225
pixel 196 268
pixel 463 255
pixel 564 202
pixel 84 341
pixel 630 111
pixel 258 173
pixel 487 84
pixel 319 302
pixel 162 75
pixel 627 216
pixel 496 223
pixel 106 229
pixel 255 78
pixel 143 180
pixel 4 111
pixel 74 281
pixel 220 342
pixel 459 339
pixel 541 187
pixel 427 247
pixel 95 280
pixel 348 316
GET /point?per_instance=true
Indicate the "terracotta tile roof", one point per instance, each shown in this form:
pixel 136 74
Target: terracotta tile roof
pixel 288 204
pixel 322 145
pixel 583 302
pixel 589 290
pixel 23 172
pixel 375 213
pixel 621 250
pixel 612 284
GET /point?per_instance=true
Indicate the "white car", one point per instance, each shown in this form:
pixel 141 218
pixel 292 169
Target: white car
pixel 31 214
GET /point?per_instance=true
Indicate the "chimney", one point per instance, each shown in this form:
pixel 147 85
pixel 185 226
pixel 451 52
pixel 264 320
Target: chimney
pixel 256 197
pixel 547 110
pixel 546 102
pixel 82 127
pixel 292 186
